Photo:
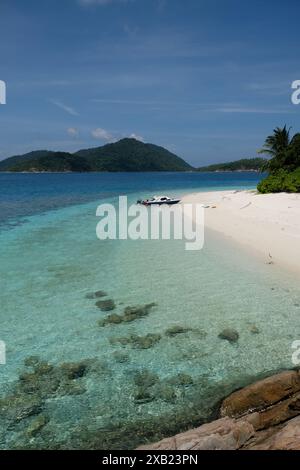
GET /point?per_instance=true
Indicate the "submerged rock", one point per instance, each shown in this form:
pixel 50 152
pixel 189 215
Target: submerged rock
pixel 133 313
pixel 166 393
pixel 130 314
pixel 254 330
pixel 113 319
pixel 143 395
pixel 32 361
pixel 106 305
pixel 181 379
pixel 34 387
pixel 230 335
pixel 138 342
pixel 96 295
pixel 75 370
pixel 17 407
pixel 145 378
pixel 176 330
pixel 37 425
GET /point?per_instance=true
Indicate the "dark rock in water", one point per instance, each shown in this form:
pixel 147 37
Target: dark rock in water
pixel 230 335
pixel 143 395
pixel 181 379
pixel 145 378
pixel 32 361
pixel 17 407
pixel 113 319
pixel 21 408
pixel 130 314
pixel 120 357
pixel 138 342
pixel 133 313
pixel 176 330
pixel 47 380
pixel 96 295
pixel 254 330
pixel 100 293
pixel 106 305
pixel 165 392
pixel 74 370
pixel 145 342
pixel 37 425
pixel 44 384
pixel 43 368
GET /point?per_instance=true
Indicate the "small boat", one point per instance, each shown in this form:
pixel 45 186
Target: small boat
pixel 158 201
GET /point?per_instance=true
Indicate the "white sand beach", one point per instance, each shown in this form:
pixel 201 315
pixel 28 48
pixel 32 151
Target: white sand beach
pixel 267 224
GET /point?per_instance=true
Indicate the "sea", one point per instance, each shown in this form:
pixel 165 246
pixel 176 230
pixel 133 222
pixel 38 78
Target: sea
pixel 110 344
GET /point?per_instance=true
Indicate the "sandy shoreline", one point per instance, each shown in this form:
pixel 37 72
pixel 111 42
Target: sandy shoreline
pixel 266 224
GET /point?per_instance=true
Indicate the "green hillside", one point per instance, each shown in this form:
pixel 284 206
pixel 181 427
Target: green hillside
pixel 245 164
pixel 125 155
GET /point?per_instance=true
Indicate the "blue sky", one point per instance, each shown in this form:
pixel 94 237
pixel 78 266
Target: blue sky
pixel 208 79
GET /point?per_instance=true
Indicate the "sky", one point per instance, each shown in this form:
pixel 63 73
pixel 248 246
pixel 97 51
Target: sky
pixel 207 79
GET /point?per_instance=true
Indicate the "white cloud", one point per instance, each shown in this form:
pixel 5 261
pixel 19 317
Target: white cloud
pixel 102 134
pixel 137 137
pixel 73 132
pixel 248 110
pixel 64 107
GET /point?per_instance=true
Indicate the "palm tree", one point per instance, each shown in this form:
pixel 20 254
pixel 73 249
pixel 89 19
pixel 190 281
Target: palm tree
pixel 276 145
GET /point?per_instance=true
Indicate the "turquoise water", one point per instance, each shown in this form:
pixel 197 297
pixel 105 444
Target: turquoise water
pixel 51 259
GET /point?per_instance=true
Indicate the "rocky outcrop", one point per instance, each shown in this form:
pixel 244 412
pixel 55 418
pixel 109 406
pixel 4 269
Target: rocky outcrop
pixel 223 434
pixel 263 415
pixel 261 394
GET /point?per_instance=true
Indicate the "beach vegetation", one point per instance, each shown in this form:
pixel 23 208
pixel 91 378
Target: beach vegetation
pixel 283 166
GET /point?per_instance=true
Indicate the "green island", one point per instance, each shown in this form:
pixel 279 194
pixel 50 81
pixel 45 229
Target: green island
pixel 245 164
pixel 130 155
pixel 125 155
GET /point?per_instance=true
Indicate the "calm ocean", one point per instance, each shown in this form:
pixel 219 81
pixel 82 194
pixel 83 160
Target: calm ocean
pixel 141 379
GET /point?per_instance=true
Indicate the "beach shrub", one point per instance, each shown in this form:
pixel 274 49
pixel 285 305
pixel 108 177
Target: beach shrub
pixel 281 181
pixel 284 163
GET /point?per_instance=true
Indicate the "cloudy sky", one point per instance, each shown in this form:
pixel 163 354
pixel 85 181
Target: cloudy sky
pixel 208 79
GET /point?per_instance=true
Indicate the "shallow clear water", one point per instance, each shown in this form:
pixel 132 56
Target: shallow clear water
pixel 53 259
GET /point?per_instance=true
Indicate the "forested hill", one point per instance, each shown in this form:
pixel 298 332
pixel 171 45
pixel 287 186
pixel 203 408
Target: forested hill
pixel 245 164
pixel 124 155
